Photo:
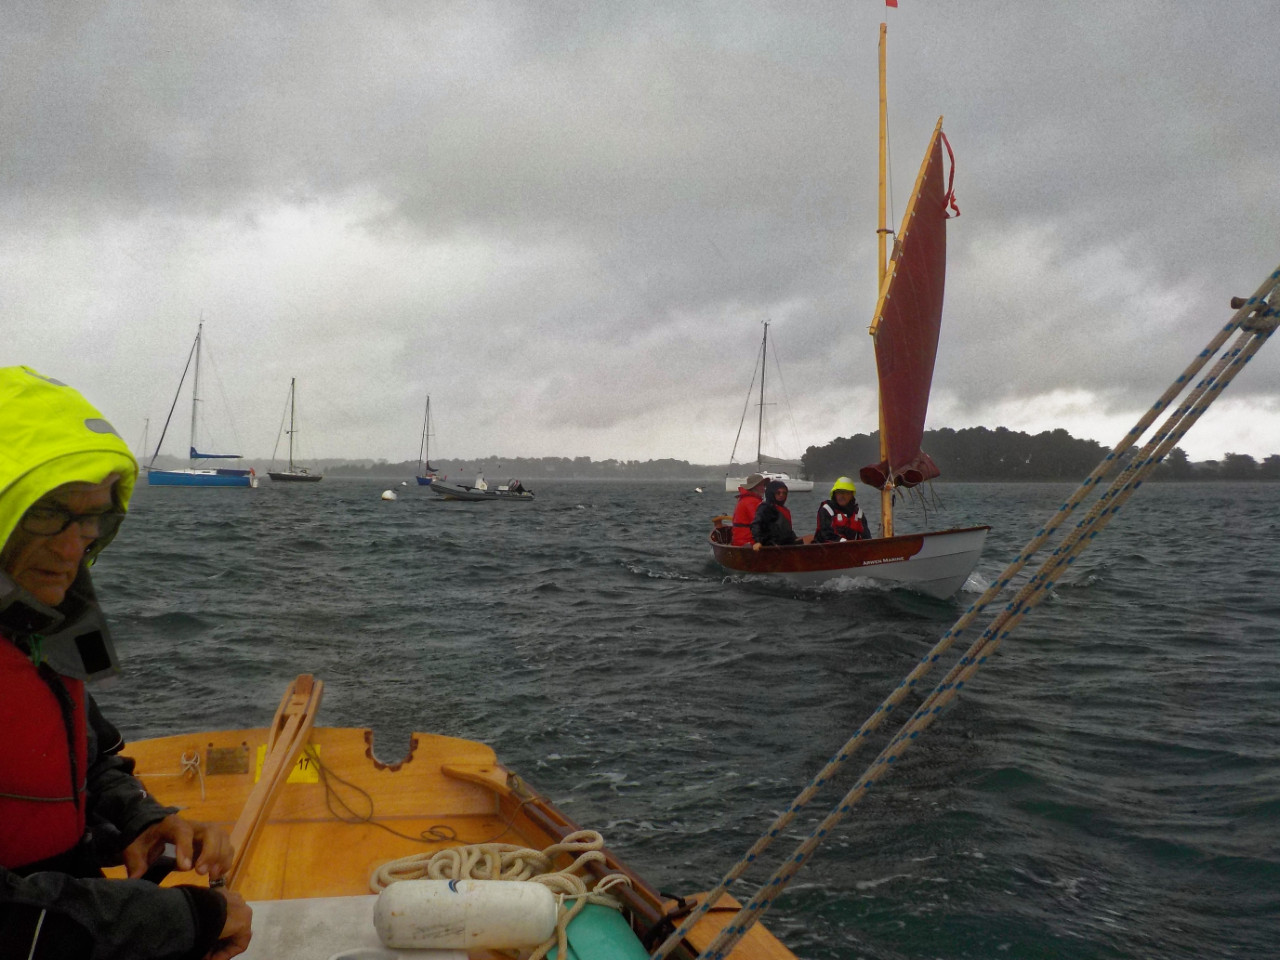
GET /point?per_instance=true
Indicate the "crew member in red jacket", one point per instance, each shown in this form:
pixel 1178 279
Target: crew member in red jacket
pixel 750 494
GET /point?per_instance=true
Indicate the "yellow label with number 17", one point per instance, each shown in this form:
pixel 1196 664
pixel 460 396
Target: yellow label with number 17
pixel 306 770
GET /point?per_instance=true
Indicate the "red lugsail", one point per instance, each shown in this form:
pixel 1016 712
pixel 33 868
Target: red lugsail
pixel 905 327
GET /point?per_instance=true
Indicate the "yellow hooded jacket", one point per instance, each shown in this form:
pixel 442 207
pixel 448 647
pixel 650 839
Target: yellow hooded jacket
pixel 51 435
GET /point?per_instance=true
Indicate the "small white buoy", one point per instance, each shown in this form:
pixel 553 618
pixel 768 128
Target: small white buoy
pixel 404 483
pixel 697 489
pixel 388 494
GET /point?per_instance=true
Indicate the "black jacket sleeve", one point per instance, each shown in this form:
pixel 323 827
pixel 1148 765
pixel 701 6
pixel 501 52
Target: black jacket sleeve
pixel 55 915
pixel 119 807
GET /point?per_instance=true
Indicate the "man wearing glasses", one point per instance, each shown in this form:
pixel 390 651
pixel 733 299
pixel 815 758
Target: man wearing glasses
pixel 68 802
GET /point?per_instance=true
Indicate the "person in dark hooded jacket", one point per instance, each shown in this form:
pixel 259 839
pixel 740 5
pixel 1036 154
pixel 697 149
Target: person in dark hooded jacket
pixel 69 804
pixel 772 525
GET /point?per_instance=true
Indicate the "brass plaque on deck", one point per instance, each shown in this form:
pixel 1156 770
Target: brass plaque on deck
pixel 227 760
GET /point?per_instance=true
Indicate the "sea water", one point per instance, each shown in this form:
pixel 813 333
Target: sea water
pixel 1107 786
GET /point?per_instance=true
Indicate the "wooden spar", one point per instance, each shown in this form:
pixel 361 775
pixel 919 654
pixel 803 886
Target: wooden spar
pixel 882 235
pixel 289 731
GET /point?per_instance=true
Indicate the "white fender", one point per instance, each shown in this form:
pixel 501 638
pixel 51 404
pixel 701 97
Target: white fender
pixel 465 914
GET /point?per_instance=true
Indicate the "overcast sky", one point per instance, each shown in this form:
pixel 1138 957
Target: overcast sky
pixel 567 221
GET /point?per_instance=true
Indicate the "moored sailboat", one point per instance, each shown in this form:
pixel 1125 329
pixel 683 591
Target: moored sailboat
pixel 426 472
pixel 194 476
pixel 905 328
pixel 296 473
pixel 767 466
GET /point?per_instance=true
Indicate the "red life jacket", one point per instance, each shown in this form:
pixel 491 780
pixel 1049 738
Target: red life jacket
pixel 846 525
pixel 36 762
pixel 743 514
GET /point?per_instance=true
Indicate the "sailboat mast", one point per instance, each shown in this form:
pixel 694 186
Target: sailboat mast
pixel 292 386
pixel 882 235
pixel 764 364
pixel 423 452
pixel 195 390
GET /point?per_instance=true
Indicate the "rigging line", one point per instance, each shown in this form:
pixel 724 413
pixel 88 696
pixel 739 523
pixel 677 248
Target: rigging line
pixel 181 380
pixel 226 405
pixel 1087 487
pixel 786 401
pixel 745 407
pixel 1253 335
pixel 279 432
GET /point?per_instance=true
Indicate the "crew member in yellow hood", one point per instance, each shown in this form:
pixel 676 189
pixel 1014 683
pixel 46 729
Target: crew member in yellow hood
pixel 68 802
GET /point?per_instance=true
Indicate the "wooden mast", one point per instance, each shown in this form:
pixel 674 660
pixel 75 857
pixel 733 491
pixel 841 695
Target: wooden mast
pixel 882 235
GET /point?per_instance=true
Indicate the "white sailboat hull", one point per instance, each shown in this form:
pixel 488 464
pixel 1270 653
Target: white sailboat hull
pixel 731 484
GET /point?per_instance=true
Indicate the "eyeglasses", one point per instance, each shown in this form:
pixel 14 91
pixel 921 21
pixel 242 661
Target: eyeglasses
pixel 49 520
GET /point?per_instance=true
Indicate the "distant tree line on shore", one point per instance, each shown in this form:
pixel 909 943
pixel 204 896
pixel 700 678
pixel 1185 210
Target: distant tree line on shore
pixel 975 454
pixel 498 469
pixel 978 454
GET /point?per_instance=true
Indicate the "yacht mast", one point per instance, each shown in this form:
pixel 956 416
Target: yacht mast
pixel 195 391
pixel 764 363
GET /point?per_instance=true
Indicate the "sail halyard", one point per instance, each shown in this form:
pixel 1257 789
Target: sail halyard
pixel 905 328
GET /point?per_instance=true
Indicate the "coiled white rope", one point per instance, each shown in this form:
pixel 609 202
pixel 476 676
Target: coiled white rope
pixel 507 861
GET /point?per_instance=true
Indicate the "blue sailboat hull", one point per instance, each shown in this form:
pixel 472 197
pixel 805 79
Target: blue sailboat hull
pixel 201 478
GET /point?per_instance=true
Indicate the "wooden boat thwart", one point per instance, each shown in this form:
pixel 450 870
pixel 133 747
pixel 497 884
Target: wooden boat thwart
pixel 314 813
pixel 936 563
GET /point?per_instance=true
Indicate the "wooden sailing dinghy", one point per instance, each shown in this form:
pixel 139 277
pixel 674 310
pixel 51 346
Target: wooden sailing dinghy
pixel 905 328
pixel 314 812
